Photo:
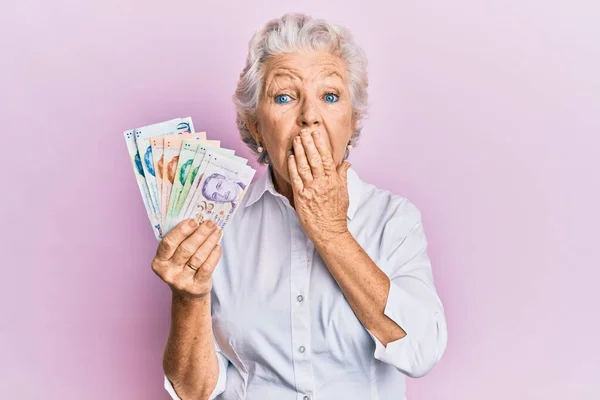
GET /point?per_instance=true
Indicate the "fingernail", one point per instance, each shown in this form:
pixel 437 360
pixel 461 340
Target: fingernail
pixel 193 223
pixel 315 133
pixel 210 224
pixel 297 139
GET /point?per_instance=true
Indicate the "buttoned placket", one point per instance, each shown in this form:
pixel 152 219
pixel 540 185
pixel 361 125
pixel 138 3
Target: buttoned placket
pixel 301 262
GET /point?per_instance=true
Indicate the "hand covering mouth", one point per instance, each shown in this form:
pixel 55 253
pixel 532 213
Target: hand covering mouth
pixel 291 149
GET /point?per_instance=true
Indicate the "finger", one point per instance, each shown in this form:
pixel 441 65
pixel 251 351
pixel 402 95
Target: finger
pixel 301 162
pixel 208 267
pixel 192 243
pixel 323 149
pixel 200 256
pixel 171 241
pixel 312 154
pixel 343 171
pixel 295 178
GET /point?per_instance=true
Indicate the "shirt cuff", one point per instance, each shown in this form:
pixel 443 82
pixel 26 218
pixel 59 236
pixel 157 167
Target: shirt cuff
pixel 219 387
pixel 410 353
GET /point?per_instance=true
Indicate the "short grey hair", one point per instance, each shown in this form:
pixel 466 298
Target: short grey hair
pixel 291 33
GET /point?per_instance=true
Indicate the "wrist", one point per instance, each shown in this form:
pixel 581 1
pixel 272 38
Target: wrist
pixel 333 239
pixel 184 299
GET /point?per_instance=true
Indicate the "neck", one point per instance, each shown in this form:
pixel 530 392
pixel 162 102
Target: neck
pixel 282 186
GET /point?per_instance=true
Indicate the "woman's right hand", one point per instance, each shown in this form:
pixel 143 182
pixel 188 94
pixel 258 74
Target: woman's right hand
pixel 187 256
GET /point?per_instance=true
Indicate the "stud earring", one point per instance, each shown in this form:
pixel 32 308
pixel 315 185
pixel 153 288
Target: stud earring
pixel 259 148
pixel 349 147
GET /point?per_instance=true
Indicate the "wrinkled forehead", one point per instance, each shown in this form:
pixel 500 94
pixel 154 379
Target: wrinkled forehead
pixel 303 67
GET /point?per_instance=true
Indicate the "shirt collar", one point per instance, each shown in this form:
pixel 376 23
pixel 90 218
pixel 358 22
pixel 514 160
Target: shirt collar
pixel 265 184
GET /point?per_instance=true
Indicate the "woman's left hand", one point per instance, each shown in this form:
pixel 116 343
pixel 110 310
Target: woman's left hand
pixel 320 188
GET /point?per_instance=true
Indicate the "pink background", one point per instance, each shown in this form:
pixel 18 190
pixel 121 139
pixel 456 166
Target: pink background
pixel 485 115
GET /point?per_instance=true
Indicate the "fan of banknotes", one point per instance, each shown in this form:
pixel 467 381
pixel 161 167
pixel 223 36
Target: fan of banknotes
pixel 181 174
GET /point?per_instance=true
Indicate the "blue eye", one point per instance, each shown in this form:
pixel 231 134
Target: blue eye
pixel 282 99
pixel 331 98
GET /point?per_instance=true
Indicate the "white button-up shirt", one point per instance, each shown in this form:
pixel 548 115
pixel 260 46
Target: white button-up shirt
pixel 283 329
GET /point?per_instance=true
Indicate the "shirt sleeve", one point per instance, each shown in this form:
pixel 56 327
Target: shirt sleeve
pixel 221 381
pixel 412 302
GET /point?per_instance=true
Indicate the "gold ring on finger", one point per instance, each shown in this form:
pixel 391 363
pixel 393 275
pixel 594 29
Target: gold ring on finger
pixel 192 267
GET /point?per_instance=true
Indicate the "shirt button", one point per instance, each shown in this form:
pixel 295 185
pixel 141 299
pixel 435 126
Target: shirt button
pixel 300 298
pixel 306 398
pixel 301 349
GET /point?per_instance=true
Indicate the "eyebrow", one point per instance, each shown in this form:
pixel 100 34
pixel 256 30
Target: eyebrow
pixel 283 75
pixel 329 73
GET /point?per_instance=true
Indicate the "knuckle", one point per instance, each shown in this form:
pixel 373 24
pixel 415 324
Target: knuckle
pixel 167 243
pixel 305 195
pixel 156 266
pixel 186 248
pixel 198 258
pixel 207 267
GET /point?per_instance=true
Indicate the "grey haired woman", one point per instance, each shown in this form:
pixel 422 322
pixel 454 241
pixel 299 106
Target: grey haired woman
pixel 322 287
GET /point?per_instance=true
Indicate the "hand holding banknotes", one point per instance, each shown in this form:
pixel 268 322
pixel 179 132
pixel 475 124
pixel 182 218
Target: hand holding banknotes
pixel 320 188
pixel 187 256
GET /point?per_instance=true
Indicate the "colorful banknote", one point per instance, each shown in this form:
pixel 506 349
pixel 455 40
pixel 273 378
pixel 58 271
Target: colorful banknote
pixel 172 150
pixel 191 183
pixel 186 169
pixel 221 186
pixel 229 199
pixel 143 136
pixel 157 144
pixel 138 171
pixel 188 175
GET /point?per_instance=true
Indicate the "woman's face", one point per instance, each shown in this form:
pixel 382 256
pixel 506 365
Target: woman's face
pixel 303 91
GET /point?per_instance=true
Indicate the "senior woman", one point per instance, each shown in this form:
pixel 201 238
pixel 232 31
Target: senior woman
pixel 322 287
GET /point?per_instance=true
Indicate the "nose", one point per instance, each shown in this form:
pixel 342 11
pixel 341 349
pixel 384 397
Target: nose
pixel 310 116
